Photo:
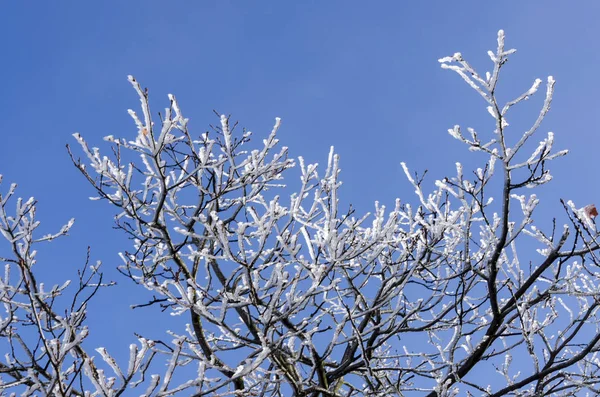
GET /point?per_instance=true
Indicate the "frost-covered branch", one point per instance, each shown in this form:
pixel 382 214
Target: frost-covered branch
pixel 273 288
pixel 43 338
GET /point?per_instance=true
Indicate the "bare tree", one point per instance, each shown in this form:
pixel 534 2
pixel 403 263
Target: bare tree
pixel 291 295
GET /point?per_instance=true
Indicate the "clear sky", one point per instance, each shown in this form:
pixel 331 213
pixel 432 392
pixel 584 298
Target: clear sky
pixel 362 76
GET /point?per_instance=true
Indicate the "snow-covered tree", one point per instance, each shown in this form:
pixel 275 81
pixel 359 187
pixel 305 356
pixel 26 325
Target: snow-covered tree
pixel 284 293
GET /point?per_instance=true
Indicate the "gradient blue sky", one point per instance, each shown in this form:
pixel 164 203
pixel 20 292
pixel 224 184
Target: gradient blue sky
pixel 364 78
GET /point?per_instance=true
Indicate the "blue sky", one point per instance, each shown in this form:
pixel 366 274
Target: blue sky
pixel 364 78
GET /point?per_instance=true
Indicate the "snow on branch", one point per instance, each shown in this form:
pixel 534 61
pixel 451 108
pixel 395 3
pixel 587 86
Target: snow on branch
pixel 263 283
